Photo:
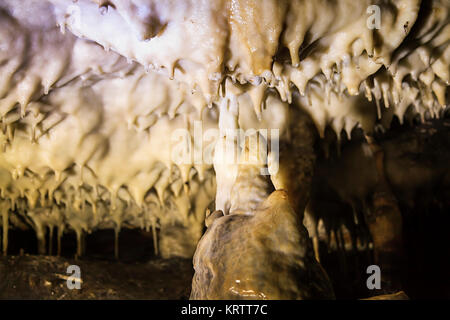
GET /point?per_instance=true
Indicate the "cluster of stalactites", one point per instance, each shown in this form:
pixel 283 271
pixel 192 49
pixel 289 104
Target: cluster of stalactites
pixel 336 55
pixel 68 203
pixel 154 34
pixel 71 115
pixel 285 45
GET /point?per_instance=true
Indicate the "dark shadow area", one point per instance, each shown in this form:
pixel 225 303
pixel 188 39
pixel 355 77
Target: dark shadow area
pixel 416 159
pixel 134 245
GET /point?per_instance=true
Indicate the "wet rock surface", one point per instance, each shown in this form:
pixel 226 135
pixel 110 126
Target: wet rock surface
pixel 264 255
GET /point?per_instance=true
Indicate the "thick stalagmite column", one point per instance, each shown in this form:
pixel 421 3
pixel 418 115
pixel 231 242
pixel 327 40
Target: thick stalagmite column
pixel 260 249
pixel 386 225
pixel 297 159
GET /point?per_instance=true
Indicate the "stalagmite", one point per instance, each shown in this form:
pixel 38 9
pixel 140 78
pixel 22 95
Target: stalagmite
pixel 385 222
pixel 229 258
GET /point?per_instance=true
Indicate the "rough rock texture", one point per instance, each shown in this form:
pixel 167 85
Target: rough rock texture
pixel 45 277
pixel 265 254
pixel 260 250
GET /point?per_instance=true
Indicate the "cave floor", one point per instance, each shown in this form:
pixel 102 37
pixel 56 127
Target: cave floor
pixel 45 277
pixel 140 274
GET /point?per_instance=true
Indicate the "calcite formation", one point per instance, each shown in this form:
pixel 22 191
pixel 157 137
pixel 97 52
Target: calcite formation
pixel 110 113
pixel 260 250
pixel 259 254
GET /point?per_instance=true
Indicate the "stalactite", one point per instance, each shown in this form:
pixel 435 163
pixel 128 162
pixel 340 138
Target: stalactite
pixel 50 240
pixel 155 237
pixel 5 221
pixel 116 242
pixel 59 236
pixel 80 239
pixel 41 234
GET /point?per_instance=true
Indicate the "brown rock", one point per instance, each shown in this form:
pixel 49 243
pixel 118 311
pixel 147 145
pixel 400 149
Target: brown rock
pixel 265 254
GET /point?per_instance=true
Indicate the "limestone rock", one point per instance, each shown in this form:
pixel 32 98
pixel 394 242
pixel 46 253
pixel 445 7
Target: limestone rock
pixel 265 254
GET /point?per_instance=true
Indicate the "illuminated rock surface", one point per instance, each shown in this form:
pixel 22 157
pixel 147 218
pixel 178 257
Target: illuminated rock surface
pixel 264 254
pixel 260 250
